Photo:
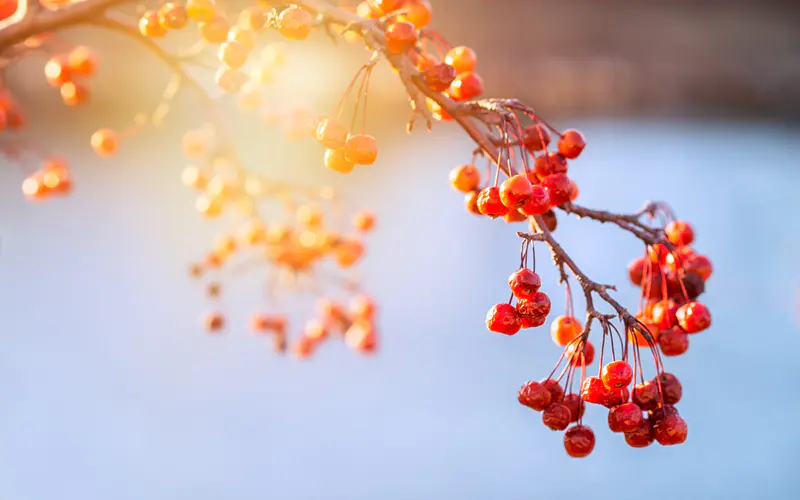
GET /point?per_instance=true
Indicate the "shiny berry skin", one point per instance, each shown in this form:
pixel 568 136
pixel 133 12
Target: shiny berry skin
pixel 400 36
pixel 200 10
pixel 571 143
pixel 671 388
pixel 515 215
pixel 57 71
pixel 693 317
pixel 534 395
pixel 577 360
pixel 673 342
pixel 557 416
pixel 556 391
pixel 214 31
pixel 471 203
pixel 331 133
pixel 594 391
pixel 559 187
pixel 335 160
pixel 417 12
pixel 82 61
pixel 532 136
pixel 538 202
pixel 549 164
pixel 439 77
pixel 625 417
pixel 663 313
pixel 617 374
pixel 576 406
pixel 636 270
pixel 172 16
pixel 465 178
pixel 149 25
pixel 680 233
pixel 361 149
pixel 515 191
pixel 579 441
pixel 466 86
pixel 564 329
pixel 642 436
pixel 698 264
pixel 524 283
pixel 670 430
pixel 105 142
pixel 294 23
pixel 531 321
pixel 615 397
pixel 462 59
pixel 537 306
pixel 489 202
pixel 503 318
pixel 645 395
pixel 233 54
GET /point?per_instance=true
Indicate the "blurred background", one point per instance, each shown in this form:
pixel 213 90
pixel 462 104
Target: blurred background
pixel 111 389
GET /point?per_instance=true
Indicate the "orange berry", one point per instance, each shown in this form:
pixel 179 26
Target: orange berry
pixel 55 175
pixel 105 142
pixel 253 18
pixel 361 149
pixel 149 25
pixel 348 252
pixel 294 23
pixel 81 61
pixel 462 58
pixel 209 207
pixel 243 36
pixel 214 322
pixel 465 178
pixel 365 10
pixel 230 80
pixel 400 36
pixel 75 94
pixel 418 13
pixel 33 187
pixel 200 11
pixel 172 16
pixel 56 70
pixel 303 348
pixel 233 54
pixel 331 133
pixel 564 329
pixel 214 31
pixel 466 86
pixel 364 221
pixel 194 178
pixel 335 159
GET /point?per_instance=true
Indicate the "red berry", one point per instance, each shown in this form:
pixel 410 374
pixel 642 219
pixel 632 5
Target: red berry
pixel 534 395
pixel 462 59
pixel 645 395
pixel 642 436
pixel 616 397
pixel 693 317
pixel 471 202
pixel 576 406
pixel 564 329
pixel 400 36
pixel 515 191
pixel 549 164
pixel 538 202
pixel 617 374
pixel 663 313
pixel 680 233
pixel 624 418
pixel 575 357
pixel 673 342
pixel 524 283
pixel 466 86
pixel 489 202
pixel 532 137
pixel 559 187
pixel 658 253
pixel 670 430
pixel 671 388
pixel 537 306
pixel 594 391
pixel 571 143
pixel 557 416
pixel 503 318
pixel 579 441
pixel 636 270
pixel 699 265
pixel 465 178
pixel 556 391
pixel 531 321
pixel 440 77
pixel 514 215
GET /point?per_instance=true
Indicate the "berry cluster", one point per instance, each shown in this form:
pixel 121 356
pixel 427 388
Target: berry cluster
pixel 672 276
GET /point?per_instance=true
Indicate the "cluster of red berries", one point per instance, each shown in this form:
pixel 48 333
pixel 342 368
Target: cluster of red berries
pixel 355 325
pixel 672 276
pixel 644 415
pixel 68 72
pixel 531 309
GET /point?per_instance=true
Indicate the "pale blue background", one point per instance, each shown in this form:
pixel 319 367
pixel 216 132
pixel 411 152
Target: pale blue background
pixel 109 390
